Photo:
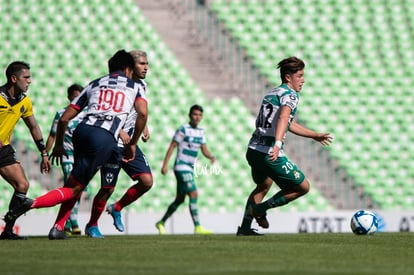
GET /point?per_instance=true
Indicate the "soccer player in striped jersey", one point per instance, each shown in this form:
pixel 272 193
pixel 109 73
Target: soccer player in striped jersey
pixel 188 140
pixel 16 104
pixel 265 153
pixel 137 169
pixel 109 100
pixel 71 225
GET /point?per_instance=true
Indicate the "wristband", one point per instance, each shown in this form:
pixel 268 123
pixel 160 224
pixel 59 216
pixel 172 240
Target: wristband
pixel 278 144
pixel 44 154
pixel 40 145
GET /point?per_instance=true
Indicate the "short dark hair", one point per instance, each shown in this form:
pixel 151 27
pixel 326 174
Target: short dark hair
pixel 120 61
pixel 15 67
pixel 290 65
pixel 195 107
pixel 72 88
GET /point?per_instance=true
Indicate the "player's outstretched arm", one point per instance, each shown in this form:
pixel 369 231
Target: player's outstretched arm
pixel 300 130
pixel 324 138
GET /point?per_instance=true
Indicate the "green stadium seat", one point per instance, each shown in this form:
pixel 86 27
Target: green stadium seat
pixel 340 47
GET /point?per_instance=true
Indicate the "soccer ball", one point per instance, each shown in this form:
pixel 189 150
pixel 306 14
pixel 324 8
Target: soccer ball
pixel 364 222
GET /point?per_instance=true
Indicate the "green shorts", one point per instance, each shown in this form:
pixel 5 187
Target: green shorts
pixel 66 169
pixel 282 171
pixel 185 182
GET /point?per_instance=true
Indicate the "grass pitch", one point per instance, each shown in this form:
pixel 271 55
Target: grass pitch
pixel 336 253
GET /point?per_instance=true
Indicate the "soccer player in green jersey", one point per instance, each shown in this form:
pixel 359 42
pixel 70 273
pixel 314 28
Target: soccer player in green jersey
pixel 188 139
pixel 71 225
pixel 265 153
pixel 16 104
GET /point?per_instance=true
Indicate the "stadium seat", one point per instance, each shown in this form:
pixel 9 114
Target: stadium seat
pixel 346 59
pixel 359 61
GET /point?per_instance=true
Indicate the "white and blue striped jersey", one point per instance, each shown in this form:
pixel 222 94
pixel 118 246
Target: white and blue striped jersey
pixel 67 140
pixel 189 141
pixel 109 101
pixel 129 125
pixel 263 138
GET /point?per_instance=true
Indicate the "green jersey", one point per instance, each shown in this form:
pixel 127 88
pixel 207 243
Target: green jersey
pixel 67 141
pixel 189 141
pixel 263 138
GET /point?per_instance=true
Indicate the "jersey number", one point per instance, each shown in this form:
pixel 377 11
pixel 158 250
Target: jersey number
pixel 187 177
pixel 287 167
pixel 108 99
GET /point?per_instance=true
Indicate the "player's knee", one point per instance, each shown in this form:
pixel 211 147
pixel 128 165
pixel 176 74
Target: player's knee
pixel 22 186
pixel 77 190
pixel 304 187
pixel 147 184
pixel 109 191
pixel 179 200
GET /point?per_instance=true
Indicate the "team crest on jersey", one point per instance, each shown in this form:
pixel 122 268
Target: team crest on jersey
pixel 109 177
pixel 296 174
pixel 22 109
pixel 190 140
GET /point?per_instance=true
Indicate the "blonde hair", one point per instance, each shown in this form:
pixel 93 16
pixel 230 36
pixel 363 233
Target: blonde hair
pixel 137 54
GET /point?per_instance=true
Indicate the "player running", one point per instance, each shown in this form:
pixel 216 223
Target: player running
pixel 137 169
pixel 16 104
pixel 188 140
pixel 109 100
pixel 265 153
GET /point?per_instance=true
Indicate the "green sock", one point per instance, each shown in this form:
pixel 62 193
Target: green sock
pixel 277 200
pixel 68 225
pixel 194 211
pixel 171 209
pixel 74 215
pixel 247 217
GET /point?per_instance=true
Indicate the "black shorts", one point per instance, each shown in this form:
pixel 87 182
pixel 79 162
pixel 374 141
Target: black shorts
pixel 7 156
pixel 134 168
